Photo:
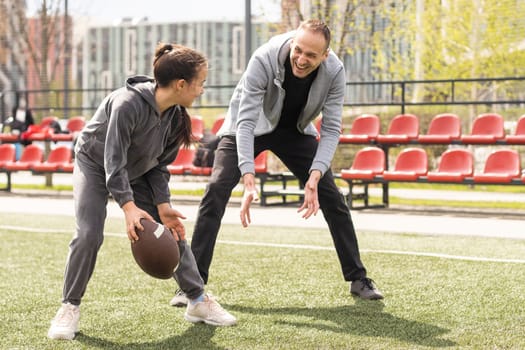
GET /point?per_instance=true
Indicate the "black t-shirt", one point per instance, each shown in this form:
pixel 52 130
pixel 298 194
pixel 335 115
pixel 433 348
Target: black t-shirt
pixel 296 90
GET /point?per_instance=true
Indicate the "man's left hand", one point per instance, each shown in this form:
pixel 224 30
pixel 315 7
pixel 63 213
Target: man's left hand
pixel 311 200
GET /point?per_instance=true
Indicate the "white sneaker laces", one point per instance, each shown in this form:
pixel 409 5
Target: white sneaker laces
pixel 214 306
pixel 65 315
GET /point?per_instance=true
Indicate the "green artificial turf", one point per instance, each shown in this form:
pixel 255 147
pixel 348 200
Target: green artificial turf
pixel 283 284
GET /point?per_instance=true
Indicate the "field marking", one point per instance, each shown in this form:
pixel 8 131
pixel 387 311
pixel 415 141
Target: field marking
pixel 34 229
pixel 295 246
pixel 380 251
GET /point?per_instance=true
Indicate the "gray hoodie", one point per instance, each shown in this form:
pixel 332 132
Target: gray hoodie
pixel 127 139
pixel 256 104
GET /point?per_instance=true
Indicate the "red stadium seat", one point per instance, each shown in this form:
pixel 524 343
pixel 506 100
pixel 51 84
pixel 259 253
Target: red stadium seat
pixel 402 129
pixel 7 153
pixel 519 135
pixel 368 162
pixel 183 162
pixel 261 163
pixel 9 137
pixel 197 127
pixel 217 124
pixel 57 158
pixel 411 163
pixel 318 122
pixel 67 167
pixel 31 155
pixel 365 129
pixel 260 166
pixel 200 170
pixel 486 129
pixel 443 128
pixel 73 127
pixel 501 166
pixel 47 121
pixel 42 131
pixel 454 166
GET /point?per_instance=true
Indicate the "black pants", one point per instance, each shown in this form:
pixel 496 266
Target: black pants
pixel 296 151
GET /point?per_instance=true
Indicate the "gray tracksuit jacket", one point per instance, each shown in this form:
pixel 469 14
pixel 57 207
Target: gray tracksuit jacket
pixel 256 104
pixel 127 139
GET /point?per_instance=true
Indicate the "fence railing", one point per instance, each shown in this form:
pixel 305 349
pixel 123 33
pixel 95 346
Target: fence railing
pixel 402 94
pixel 487 91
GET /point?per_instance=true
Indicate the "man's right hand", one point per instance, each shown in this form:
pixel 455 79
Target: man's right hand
pixel 250 195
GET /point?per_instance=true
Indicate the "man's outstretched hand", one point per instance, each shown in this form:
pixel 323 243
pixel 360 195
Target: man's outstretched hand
pixel 311 199
pixel 250 195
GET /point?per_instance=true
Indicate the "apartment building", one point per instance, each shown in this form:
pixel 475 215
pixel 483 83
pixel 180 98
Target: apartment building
pixel 112 53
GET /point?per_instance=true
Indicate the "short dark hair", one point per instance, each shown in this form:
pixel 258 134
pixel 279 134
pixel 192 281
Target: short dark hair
pixel 317 26
pixel 174 62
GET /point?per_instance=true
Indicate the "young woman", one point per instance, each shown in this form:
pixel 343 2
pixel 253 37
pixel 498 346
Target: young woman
pixel 123 152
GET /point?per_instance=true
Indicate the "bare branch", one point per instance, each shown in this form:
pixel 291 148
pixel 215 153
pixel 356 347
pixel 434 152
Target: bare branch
pixel 349 14
pixel 35 50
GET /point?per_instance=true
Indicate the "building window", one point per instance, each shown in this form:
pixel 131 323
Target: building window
pixel 130 51
pixel 238 60
pixel 105 80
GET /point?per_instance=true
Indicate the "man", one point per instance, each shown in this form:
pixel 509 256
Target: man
pixel 289 81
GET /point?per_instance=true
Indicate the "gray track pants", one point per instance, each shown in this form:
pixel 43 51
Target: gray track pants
pixel 91 198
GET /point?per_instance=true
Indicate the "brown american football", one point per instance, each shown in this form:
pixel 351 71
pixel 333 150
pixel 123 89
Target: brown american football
pixel 156 251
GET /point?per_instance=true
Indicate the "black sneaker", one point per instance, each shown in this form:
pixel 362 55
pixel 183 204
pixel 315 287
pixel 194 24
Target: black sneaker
pixel 366 289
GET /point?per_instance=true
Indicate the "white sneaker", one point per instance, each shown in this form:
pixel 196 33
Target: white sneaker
pixel 210 312
pixel 65 323
pixel 179 299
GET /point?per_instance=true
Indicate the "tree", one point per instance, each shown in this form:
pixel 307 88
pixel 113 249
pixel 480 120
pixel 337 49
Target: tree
pixel 41 39
pixel 40 53
pixel 451 39
pixel 344 17
pixel 11 58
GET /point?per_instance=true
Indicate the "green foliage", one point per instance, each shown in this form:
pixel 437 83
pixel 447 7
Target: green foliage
pixel 348 21
pixel 425 40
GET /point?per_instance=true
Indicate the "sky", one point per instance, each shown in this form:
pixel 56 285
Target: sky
pixel 111 11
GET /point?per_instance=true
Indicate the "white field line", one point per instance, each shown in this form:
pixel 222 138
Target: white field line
pixel 381 251
pixel 296 246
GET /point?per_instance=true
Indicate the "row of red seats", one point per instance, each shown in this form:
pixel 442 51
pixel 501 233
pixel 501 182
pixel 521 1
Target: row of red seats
pixel 60 159
pixel 404 128
pixel 183 163
pixel 487 128
pixel 44 131
pixel 455 165
pixel 32 159
pixel 197 126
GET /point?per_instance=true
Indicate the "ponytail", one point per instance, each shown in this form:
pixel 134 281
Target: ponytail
pixel 183 133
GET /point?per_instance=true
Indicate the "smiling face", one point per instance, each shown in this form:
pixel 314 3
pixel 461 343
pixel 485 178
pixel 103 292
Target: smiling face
pixel 308 50
pixel 193 89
